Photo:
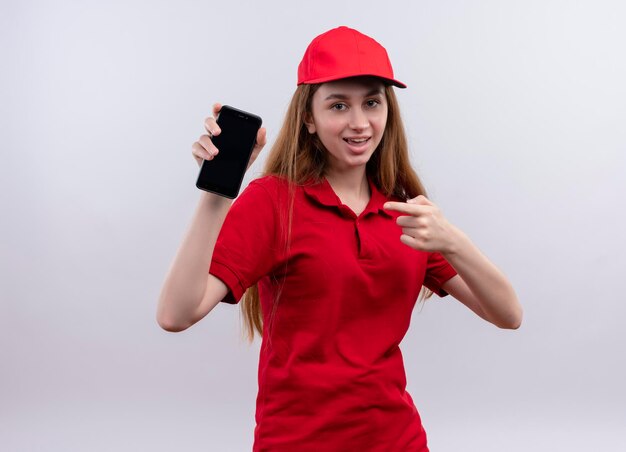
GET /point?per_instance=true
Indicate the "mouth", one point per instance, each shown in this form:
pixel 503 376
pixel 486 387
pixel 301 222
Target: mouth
pixel 357 141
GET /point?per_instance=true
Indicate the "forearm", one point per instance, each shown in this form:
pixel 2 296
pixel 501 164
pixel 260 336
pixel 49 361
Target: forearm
pixel 185 283
pixel 491 288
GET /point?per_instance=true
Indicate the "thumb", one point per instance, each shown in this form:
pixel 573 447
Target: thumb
pixel 261 137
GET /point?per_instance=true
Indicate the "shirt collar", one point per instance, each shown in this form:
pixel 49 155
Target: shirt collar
pixel 322 193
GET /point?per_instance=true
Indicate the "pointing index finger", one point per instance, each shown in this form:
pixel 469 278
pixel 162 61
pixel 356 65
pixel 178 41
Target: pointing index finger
pixel 406 208
pixel 401 207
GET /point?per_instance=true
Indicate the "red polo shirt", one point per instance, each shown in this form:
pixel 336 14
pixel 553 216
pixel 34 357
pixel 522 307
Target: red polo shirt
pixel 331 375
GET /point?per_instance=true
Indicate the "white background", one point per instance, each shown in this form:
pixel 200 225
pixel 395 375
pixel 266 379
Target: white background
pixel 516 114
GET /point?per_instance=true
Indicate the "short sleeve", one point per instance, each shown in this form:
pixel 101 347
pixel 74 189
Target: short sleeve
pixel 246 248
pixel 438 271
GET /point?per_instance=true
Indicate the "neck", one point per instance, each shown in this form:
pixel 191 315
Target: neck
pixel 350 184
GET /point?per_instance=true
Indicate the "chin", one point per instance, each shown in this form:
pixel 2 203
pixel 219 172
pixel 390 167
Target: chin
pixel 357 162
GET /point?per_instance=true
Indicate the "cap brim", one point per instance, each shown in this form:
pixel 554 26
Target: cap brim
pixel 387 80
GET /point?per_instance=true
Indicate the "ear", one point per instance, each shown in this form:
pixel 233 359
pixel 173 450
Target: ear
pixel 309 123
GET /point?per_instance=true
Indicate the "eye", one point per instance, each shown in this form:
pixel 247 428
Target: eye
pixel 339 107
pixel 371 103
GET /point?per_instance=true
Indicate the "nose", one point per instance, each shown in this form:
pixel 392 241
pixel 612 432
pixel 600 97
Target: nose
pixel 358 119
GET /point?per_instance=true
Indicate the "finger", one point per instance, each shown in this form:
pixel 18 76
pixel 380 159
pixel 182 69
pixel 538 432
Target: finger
pixel 406 221
pixel 199 152
pixel 419 221
pixel 217 107
pixel 421 200
pixel 403 207
pixel 261 137
pixel 395 206
pixel 411 232
pixel 210 125
pixel 411 241
pixel 207 144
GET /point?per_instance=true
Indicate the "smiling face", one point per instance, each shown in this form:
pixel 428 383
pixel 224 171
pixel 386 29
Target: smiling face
pixel 349 117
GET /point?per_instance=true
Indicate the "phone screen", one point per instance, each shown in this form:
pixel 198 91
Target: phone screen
pixel 223 175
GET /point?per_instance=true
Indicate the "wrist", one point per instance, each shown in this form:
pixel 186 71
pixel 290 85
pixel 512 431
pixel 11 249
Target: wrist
pixel 213 200
pixel 458 241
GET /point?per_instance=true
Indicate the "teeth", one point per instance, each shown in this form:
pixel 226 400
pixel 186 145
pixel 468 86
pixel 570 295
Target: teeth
pixel 358 140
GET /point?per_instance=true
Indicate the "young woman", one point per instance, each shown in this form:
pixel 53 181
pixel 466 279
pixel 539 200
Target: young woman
pixel 330 250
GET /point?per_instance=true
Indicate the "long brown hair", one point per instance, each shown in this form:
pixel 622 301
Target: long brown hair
pixel 299 156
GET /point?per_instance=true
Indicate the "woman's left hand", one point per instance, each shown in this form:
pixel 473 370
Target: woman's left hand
pixel 423 227
pixel 480 285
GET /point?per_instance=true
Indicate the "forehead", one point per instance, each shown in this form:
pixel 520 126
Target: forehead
pixel 353 87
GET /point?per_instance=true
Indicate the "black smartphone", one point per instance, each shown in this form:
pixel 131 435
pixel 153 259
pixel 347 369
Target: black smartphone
pixel 223 175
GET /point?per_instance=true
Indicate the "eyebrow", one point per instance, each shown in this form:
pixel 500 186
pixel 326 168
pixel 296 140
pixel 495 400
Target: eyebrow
pixel 340 96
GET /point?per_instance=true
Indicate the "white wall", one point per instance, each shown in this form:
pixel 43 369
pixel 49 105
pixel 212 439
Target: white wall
pixel 516 115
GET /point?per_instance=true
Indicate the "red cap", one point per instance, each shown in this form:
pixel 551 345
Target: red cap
pixel 344 52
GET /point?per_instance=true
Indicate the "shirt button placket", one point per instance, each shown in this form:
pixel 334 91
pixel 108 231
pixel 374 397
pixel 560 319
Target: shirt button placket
pixel 358 238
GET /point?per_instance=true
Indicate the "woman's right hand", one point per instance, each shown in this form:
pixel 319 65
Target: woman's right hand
pixel 204 149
